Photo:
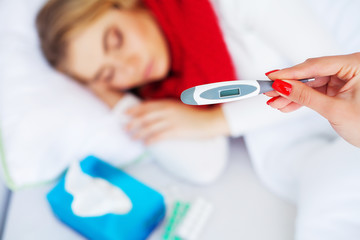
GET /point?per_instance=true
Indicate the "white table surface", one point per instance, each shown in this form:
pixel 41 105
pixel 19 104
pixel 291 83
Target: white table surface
pixel 243 208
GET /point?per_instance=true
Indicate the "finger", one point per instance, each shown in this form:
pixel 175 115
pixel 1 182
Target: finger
pixel 271 94
pixel 144 119
pixel 290 107
pixel 137 110
pixel 144 108
pixel 313 67
pixel 304 95
pixel 278 102
pixel 352 84
pixel 164 134
pixel 150 130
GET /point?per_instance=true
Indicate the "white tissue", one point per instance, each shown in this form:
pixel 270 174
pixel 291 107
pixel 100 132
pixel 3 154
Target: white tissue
pixel 94 196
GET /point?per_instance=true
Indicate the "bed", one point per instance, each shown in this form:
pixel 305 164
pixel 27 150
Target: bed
pixel 4 197
pixel 243 208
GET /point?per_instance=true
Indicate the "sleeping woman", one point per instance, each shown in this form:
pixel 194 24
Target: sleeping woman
pixel 118 46
pixel 158 48
pixel 113 47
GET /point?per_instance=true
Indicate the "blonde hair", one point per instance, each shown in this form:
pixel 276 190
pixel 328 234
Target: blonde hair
pixel 58 19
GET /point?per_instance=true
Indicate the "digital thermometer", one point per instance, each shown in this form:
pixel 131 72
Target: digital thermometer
pixel 222 92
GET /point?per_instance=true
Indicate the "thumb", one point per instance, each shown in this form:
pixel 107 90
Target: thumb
pixel 304 95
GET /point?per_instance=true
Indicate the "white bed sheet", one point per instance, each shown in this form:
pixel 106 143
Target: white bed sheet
pixel 243 208
pixel 4 195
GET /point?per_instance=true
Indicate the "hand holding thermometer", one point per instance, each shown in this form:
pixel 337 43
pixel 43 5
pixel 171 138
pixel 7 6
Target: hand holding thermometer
pixel 228 91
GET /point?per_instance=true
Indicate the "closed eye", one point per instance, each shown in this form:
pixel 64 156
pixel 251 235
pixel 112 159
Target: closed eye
pixel 114 39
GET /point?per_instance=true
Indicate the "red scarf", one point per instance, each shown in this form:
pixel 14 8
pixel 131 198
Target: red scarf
pixel 198 51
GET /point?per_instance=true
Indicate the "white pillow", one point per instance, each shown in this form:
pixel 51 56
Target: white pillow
pixel 47 120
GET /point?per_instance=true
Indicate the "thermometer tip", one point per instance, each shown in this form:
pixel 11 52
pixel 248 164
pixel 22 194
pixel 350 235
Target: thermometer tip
pixel 187 96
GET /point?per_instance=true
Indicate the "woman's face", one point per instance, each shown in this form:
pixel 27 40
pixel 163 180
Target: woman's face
pixel 122 48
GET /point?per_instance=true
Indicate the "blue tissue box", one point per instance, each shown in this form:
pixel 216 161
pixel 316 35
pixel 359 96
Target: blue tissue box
pixel 148 208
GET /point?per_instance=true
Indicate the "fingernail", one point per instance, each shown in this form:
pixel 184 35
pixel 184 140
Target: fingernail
pixel 272 71
pixel 282 87
pixel 271 100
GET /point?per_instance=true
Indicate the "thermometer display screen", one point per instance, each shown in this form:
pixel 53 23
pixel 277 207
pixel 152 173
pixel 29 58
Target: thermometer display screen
pixel 230 92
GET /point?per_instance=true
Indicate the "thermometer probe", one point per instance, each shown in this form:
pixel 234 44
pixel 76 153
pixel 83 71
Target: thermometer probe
pixel 228 91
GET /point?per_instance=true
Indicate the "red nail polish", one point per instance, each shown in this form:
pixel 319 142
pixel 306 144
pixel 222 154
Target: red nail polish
pixel 271 100
pixel 282 87
pixel 272 71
